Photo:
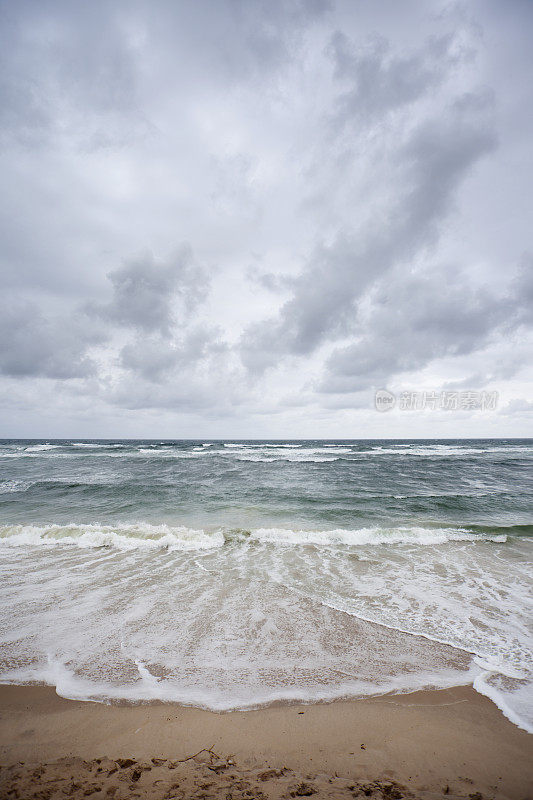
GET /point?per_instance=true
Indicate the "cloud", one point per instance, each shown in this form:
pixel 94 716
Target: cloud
pixel 523 289
pixel 377 81
pixel 153 295
pixel 32 345
pixel 69 75
pixel 151 299
pixel 412 319
pixel 154 357
pixel 78 77
pixel 519 407
pixel 426 172
pixel 354 184
pixel 196 375
pixel 269 31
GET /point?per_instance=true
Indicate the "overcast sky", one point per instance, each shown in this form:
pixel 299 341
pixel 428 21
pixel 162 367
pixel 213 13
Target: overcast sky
pixel 239 218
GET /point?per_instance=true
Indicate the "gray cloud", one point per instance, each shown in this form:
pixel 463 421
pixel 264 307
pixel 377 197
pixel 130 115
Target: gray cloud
pixel 151 358
pixel 523 289
pixel 32 345
pixel 76 76
pixel 518 406
pixel 347 151
pixel 153 295
pixel 72 76
pixel 414 319
pixel 379 80
pixel 194 375
pixel 430 167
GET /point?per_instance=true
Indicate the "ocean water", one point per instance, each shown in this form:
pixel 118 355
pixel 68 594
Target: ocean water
pixel 229 574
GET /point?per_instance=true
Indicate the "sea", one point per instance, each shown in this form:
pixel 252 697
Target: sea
pixel 235 574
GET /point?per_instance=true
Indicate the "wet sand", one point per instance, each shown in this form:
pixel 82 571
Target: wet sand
pixel 452 743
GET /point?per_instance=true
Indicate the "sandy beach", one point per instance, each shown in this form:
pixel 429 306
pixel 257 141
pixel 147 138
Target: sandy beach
pixel 427 744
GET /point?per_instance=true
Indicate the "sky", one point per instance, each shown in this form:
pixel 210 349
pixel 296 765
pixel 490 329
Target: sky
pixel 242 218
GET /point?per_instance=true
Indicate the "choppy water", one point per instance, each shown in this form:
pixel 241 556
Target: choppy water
pixel 231 574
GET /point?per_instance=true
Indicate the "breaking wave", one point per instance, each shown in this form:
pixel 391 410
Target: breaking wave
pixel 121 537
pixel 373 536
pixel 144 536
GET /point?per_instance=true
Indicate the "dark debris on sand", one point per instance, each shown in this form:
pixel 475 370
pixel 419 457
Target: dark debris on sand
pixel 202 776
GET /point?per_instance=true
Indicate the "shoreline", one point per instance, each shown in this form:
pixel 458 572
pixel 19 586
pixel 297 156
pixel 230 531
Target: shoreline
pixel 424 742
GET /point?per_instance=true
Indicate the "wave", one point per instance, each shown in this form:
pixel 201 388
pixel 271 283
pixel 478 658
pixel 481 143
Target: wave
pixel 39 448
pixel 372 536
pixel 174 453
pixel 234 697
pixel 267 452
pixel 524 529
pixel 69 684
pixel 300 458
pixel 144 536
pixel 441 451
pixel 96 445
pixel 277 453
pixel 260 446
pixel 121 537
pixel 484 684
pixel 6 487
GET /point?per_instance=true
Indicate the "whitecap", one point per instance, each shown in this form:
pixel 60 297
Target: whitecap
pixel 121 537
pixel 371 536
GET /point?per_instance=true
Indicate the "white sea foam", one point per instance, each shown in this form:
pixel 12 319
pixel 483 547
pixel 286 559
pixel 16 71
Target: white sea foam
pixel 440 450
pixel 520 697
pixel 261 446
pixel 121 537
pixel 269 453
pixel 371 536
pixel 300 457
pixel 257 451
pixel 266 617
pixel 278 446
pixel 292 607
pixel 6 487
pixel 149 687
pixel 255 457
pixel 146 536
pixel 168 453
pixel 95 446
pixel 38 448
